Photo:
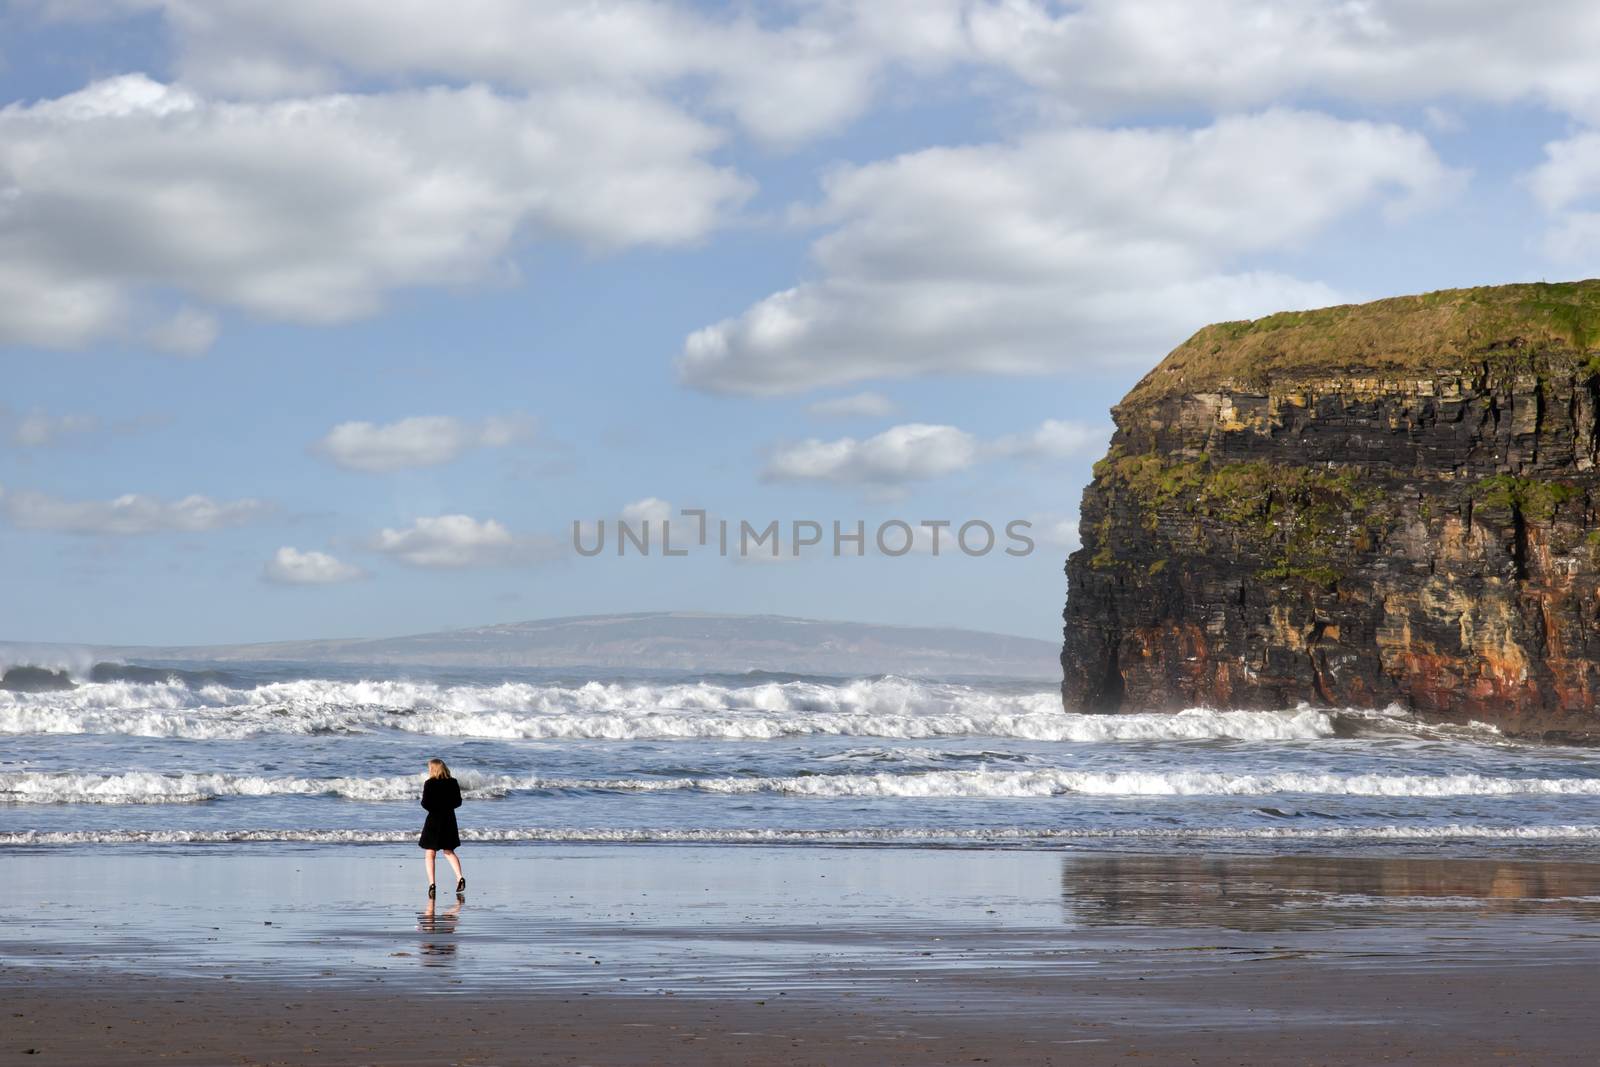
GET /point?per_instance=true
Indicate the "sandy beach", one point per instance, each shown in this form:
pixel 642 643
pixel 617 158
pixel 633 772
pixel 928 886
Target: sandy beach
pixel 646 954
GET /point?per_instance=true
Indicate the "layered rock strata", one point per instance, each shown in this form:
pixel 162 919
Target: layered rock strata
pixel 1396 502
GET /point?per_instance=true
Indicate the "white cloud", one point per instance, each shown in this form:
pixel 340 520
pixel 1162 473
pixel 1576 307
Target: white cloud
pixel 1067 248
pixel 41 429
pixel 453 541
pixel 420 441
pixel 1055 531
pixel 790 71
pixel 44 306
pixel 1054 439
pixel 1570 172
pixel 187 332
pixel 1567 186
pixel 38 429
pixel 313 209
pixel 132 513
pixel 651 520
pixel 1106 56
pixel 783 74
pixel 1443 120
pixel 854 406
pixel 918 451
pixel 1573 240
pixel 290 566
pixel 900 454
pixel 650 509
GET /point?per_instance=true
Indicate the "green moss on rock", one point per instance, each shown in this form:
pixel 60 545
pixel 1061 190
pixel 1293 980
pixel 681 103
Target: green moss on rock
pixel 1536 499
pixel 1299 518
pixel 1508 328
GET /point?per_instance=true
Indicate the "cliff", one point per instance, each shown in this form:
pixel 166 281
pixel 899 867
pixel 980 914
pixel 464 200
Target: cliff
pixel 1395 502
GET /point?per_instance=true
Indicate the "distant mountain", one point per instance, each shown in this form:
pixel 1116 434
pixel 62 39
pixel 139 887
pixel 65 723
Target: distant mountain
pixel 666 641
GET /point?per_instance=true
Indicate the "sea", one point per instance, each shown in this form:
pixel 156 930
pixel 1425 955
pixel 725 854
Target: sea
pixel 200 756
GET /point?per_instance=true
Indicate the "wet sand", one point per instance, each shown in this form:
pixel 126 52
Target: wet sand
pixel 796 955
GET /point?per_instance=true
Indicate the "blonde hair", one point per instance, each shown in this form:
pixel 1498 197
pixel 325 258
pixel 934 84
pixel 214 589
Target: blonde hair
pixel 437 769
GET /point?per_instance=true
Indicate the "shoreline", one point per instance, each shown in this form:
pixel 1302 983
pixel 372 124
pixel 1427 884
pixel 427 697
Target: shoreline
pixel 1559 841
pixel 795 954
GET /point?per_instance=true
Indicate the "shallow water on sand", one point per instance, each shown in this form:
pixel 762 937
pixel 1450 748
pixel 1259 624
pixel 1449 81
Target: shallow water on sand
pixel 772 921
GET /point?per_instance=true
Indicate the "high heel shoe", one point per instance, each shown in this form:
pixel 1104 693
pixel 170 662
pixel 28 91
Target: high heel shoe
pixel 432 890
pixel 461 886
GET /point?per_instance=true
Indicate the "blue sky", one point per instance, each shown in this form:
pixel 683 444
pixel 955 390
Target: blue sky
pixel 330 320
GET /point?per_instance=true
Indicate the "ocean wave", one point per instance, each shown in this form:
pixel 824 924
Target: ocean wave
pixel 913 754
pixel 903 836
pixel 978 721
pixel 148 787
pixel 151 787
pixel 1056 782
pixel 887 695
pixel 128 672
pixel 894 708
pixel 1004 784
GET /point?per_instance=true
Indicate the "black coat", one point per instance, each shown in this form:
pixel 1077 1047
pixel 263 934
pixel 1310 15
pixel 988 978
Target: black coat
pixel 441 796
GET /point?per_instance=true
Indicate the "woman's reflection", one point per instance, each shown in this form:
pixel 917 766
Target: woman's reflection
pixel 437 953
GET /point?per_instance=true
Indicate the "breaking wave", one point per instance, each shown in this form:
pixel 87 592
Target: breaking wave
pixel 884 707
pixel 1055 782
pixel 868 836
pixel 146 787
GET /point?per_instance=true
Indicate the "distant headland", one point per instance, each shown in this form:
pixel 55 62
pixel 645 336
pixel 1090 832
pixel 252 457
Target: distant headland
pixel 661 641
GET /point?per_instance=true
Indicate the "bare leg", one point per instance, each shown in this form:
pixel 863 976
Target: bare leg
pixel 450 854
pixel 427 861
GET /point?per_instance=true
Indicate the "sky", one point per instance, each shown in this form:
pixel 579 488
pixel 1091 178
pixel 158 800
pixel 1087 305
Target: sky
pixel 327 320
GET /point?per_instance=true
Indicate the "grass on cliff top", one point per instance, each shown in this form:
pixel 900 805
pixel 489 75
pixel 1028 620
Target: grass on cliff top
pixel 1443 331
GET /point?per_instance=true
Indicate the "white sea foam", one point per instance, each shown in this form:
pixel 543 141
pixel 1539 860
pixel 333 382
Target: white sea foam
pixel 150 787
pixel 886 707
pixel 147 787
pixel 1058 782
pixel 907 836
pixel 1031 725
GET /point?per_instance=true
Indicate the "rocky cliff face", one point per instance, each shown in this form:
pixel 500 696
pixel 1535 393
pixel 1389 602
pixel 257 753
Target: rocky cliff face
pixel 1392 503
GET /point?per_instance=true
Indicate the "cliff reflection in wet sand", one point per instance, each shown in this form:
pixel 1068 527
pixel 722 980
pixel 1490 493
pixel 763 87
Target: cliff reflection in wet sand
pixel 1298 892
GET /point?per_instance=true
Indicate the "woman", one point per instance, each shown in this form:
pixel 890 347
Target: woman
pixel 441 796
